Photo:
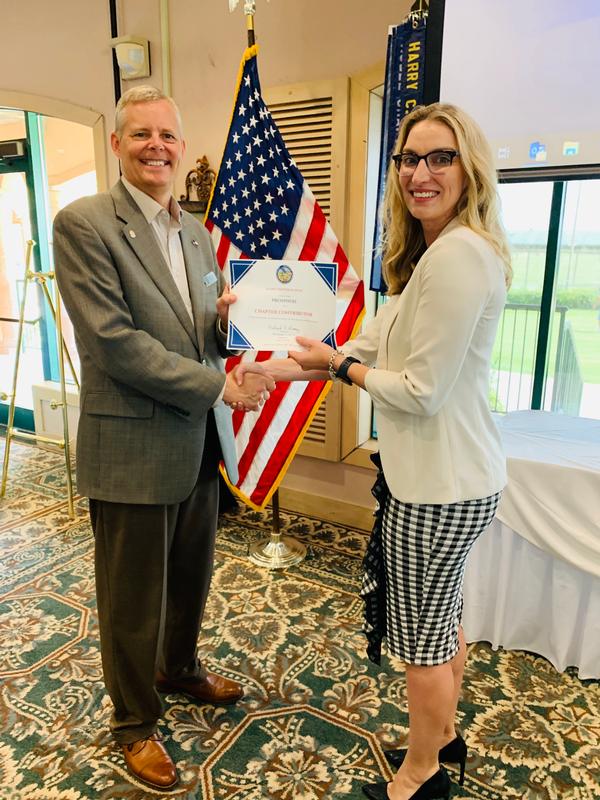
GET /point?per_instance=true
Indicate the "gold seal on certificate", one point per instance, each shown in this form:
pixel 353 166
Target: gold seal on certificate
pixel 279 300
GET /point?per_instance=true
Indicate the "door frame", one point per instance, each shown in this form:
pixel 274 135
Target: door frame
pixel 31 163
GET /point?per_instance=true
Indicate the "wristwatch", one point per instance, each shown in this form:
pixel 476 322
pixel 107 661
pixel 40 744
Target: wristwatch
pixel 342 370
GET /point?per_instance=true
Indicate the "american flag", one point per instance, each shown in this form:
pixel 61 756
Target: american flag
pixel 261 207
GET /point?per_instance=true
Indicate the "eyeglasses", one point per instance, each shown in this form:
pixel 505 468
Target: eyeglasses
pixel 437 161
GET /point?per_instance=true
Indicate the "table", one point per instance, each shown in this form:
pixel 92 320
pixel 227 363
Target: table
pixel 532 581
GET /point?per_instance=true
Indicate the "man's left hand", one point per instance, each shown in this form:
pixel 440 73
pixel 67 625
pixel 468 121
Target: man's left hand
pixel 223 303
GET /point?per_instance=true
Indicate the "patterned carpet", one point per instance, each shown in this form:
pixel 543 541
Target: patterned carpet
pixel 316 713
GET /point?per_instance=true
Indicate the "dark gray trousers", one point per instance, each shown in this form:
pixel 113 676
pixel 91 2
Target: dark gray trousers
pixel 153 570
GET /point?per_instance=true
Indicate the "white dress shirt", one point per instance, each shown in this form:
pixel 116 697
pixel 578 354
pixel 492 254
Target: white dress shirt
pixel 165 226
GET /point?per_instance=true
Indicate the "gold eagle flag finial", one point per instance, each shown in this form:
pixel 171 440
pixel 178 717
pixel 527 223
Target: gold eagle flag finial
pixel 249 6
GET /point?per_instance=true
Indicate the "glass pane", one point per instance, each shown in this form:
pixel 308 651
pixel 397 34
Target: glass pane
pixel 68 153
pixel 12 124
pixel 69 157
pixel 573 382
pixel 15 230
pixel 526 216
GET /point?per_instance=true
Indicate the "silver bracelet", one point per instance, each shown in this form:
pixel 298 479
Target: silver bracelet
pixel 332 373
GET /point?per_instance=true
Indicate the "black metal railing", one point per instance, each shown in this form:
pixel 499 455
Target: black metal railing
pixel 512 376
pixel 568 383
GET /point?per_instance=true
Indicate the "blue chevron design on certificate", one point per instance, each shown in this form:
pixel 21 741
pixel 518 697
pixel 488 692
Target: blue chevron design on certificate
pixel 238 267
pixel 237 340
pixel 330 339
pixel 329 274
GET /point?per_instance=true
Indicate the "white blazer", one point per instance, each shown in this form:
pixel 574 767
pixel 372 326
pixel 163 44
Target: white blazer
pixel 431 347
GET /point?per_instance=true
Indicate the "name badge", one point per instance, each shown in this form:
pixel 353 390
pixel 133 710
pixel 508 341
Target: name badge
pixel 209 279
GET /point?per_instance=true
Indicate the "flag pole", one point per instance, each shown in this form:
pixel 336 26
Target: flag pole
pixel 249 9
pixel 276 552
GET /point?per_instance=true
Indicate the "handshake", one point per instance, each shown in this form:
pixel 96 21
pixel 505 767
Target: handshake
pixel 247 387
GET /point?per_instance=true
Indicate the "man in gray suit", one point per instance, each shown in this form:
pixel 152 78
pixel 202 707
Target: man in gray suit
pixel 140 282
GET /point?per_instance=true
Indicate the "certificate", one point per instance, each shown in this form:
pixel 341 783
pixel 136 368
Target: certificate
pixel 279 300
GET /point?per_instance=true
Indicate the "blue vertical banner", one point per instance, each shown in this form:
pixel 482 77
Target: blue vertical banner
pixel 404 85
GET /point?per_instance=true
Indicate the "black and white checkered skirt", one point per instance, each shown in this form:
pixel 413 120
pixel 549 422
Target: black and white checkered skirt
pixel 424 551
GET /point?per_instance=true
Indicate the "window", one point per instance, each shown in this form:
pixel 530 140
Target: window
pixel 547 353
pixel 526 216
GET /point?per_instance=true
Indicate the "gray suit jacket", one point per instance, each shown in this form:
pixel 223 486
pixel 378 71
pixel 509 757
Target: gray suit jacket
pixel 148 375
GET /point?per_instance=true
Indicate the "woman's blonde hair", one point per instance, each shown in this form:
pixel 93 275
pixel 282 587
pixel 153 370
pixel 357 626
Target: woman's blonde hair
pixel 403 241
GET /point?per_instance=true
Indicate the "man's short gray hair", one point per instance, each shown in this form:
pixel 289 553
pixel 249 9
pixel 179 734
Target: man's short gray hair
pixel 141 94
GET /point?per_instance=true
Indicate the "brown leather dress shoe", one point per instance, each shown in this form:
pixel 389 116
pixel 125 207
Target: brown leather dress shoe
pixel 212 688
pixel 150 763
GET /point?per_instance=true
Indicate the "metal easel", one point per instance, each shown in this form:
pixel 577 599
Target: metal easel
pixel 42 279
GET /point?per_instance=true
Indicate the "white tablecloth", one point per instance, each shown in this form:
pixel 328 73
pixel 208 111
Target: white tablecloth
pixel 553 493
pixel 520 597
pixel 532 581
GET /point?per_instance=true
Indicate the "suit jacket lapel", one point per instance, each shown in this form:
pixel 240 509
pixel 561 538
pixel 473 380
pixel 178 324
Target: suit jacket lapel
pixel 141 239
pixel 198 293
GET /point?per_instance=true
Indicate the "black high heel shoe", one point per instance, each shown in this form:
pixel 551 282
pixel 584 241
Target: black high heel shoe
pixel 435 788
pixel 455 752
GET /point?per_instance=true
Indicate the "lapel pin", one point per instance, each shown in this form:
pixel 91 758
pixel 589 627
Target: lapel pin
pixel 132 234
pixel 195 243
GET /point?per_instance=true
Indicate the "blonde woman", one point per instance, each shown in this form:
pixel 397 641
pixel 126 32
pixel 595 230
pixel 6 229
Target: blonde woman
pixel 425 362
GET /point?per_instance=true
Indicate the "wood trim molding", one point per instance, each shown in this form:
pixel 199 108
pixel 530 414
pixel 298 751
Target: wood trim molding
pixel 51 107
pixel 327 508
pixel 360 456
pixel 361 86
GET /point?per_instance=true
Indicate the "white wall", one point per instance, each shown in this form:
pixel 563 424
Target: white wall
pixel 61 50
